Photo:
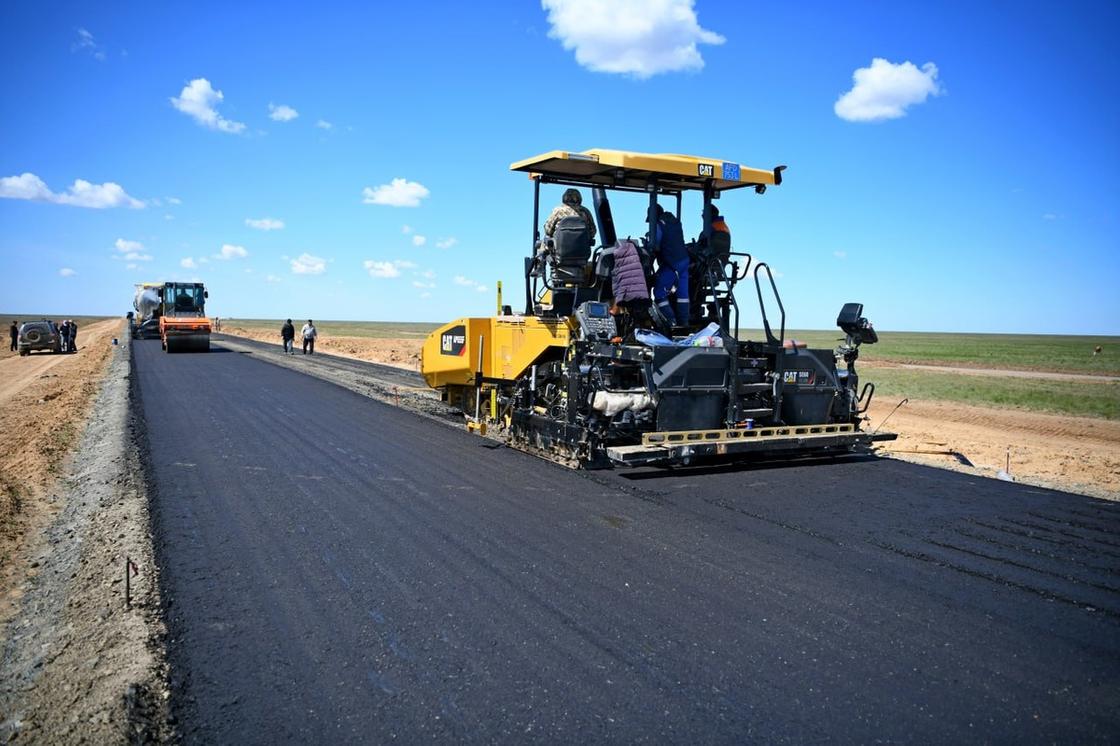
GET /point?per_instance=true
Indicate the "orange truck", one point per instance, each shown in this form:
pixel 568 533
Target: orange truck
pixel 183 325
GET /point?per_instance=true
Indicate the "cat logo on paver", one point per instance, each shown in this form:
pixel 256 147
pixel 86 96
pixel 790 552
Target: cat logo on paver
pixel 453 341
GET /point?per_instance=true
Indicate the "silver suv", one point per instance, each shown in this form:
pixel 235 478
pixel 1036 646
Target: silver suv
pixel 39 335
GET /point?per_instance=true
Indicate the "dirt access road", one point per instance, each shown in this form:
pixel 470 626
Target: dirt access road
pixel 334 567
pixel 77 664
pixel 43 402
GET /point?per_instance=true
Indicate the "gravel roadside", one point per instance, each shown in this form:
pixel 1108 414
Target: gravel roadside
pixel 78 666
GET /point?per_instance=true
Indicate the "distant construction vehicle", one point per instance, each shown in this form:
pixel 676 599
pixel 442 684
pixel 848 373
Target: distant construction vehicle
pixel 578 381
pixel 175 312
pixel 148 301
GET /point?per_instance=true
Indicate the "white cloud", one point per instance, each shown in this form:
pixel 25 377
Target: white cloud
pixel 323 124
pixel 80 194
pixel 97 196
pixel 264 224
pixel 482 288
pixel 429 274
pixel 85 43
pixel 281 113
pixel 231 251
pixel 25 186
pixel 406 229
pixel 133 251
pixel 188 263
pixel 446 243
pixel 381 269
pixel 419 240
pixel 174 201
pixel 419 284
pixel 425 295
pixel 306 264
pixel 124 245
pixel 168 216
pixel 272 279
pixel 632 37
pixel 66 272
pixel 465 282
pixel 840 254
pixel 884 90
pixel 386 270
pixel 132 266
pixel 397 193
pixel 199 101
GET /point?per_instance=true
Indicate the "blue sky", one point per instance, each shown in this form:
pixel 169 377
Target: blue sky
pixel 989 202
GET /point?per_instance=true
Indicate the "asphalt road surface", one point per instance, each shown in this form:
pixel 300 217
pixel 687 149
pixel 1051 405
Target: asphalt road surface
pixel 338 570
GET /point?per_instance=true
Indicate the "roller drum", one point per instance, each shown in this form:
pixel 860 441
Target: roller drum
pixel 188 343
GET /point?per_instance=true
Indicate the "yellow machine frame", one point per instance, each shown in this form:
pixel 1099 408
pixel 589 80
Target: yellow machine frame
pixel 450 358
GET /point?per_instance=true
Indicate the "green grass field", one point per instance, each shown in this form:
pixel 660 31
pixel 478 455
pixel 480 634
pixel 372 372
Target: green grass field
pixel 1038 352
pixel 1085 399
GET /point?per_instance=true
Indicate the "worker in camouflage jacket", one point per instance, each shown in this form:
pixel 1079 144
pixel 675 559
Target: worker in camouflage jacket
pixel 571 207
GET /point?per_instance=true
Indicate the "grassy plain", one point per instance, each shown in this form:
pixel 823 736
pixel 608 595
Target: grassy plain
pixel 7 318
pixel 1080 398
pixel 327 328
pixel 1033 353
pixel 1030 352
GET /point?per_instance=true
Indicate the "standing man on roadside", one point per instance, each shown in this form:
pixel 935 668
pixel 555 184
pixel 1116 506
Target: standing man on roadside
pixel 64 336
pixel 288 335
pixel 73 336
pixel 309 334
pixel 13 332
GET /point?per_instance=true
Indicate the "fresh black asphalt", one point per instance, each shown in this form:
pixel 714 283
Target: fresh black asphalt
pixel 338 570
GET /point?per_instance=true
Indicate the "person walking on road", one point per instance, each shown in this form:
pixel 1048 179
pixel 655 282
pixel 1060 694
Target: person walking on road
pixel 13 332
pixel 73 345
pixel 288 334
pixel 309 333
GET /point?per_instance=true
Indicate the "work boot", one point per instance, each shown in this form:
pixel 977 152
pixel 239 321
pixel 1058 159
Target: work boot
pixel 666 310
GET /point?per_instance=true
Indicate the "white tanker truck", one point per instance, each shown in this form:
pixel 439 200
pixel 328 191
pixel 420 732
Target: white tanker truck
pixel 147 302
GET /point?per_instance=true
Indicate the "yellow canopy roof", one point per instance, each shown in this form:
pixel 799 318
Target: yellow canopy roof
pixel 620 168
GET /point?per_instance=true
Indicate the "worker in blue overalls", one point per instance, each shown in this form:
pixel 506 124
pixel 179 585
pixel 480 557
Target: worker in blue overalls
pixel 672 268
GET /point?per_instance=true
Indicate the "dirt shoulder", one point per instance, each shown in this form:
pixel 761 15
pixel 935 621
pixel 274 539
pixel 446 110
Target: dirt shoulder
pixel 78 665
pixel 1077 454
pixel 400 353
pixel 44 402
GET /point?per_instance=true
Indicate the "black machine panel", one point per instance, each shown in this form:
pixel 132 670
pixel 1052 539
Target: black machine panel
pixel 809 386
pixel 595 321
pixel 690 367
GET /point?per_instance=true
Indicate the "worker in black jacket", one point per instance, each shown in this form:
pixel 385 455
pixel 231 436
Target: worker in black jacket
pixel 288 334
